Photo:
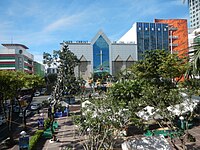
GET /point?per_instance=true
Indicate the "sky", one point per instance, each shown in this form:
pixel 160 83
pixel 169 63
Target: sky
pixel 42 25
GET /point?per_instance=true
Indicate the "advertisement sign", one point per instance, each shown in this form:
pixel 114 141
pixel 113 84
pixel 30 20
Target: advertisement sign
pixel 41 123
pixel 24 142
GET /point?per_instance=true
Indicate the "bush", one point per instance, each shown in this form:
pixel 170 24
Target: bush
pixel 34 139
pixel 45 103
pixel 46 123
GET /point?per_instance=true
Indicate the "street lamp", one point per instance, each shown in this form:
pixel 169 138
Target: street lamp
pixel 182 122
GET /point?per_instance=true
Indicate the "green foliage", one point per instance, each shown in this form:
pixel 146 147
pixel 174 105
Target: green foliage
pixel 45 103
pixel 150 83
pixel 159 64
pixel 34 139
pixel 12 81
pixel 126 90
pixel 68 62
pixel 47 123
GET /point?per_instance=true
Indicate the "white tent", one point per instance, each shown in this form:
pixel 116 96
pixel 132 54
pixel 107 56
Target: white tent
pixel 188 105
pixel 147 143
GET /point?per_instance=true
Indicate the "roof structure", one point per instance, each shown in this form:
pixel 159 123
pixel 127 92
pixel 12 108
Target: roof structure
pixel 128 36
pixel 6 45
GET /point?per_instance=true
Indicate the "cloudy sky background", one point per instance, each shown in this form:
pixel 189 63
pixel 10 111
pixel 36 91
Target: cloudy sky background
pixel 42 25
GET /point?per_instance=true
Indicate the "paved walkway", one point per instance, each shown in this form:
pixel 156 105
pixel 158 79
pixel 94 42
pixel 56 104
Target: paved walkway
pixel 65 133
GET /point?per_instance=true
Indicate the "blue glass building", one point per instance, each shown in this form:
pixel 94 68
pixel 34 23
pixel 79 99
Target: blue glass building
pixel 148 36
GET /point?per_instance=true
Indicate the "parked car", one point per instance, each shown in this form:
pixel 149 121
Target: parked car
pixel 35 106
pixel 2 119
pixel 37 94
pixel 28 112
pixel 25 97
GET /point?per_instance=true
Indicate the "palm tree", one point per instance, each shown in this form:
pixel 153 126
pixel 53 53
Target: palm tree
pixel 194 63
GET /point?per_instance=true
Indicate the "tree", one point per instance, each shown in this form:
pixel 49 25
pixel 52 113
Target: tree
pixel 66 84
pixel 11 83
pixel 159 65
pixel 194 57
pixel 157 76
pixel 102 123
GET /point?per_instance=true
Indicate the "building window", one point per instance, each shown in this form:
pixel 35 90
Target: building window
pixel 146 29
pixel 139 28
pixel 158 29
pixel 152 29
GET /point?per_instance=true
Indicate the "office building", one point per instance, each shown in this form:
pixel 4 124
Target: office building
pixel 194 38
pixel 101 55
pixel 194 10
pixel 147 36
pixel 178 35
pixel 16 57
pixel 39 69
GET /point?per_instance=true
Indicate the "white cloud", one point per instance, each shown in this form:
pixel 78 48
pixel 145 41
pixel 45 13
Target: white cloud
pixel 64 22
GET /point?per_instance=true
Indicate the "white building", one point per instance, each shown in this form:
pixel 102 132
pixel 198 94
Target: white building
pixel 16 57
pixel 193 37
pixel 194 9
pixel 102 55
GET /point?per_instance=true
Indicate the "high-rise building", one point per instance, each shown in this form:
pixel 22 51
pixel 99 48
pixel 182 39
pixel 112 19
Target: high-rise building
pixel 16 57
pixel 178 35
pixel 194 38
pixel 147 36
pixel 194 9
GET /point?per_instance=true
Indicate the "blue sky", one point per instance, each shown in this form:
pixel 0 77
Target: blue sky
pixel 42 25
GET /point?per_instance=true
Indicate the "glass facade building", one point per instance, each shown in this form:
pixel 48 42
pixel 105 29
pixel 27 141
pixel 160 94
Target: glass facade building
pixel 151 36
pixel 101 55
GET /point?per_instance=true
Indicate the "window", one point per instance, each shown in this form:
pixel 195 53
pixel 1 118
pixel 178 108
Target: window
pixel 158 29
pixel 152 29
pixel 146 29
pixel 139 28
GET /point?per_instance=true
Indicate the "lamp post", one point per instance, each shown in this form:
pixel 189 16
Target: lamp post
pixel 182 122
pixel 171 34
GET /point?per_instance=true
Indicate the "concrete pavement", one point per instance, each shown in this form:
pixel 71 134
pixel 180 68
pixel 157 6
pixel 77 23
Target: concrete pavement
pixel 66 134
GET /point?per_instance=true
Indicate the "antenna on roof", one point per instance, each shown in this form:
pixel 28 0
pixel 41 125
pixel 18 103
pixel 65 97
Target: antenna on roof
pixel 11 40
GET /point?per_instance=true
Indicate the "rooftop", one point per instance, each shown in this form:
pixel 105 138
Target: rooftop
pixel 6 45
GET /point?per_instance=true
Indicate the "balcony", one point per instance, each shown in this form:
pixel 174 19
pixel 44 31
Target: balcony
pixel 173 44
pixel 173 37
pixel 173 28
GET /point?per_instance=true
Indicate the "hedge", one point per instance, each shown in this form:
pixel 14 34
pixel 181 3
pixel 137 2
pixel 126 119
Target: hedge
pixel 34 139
